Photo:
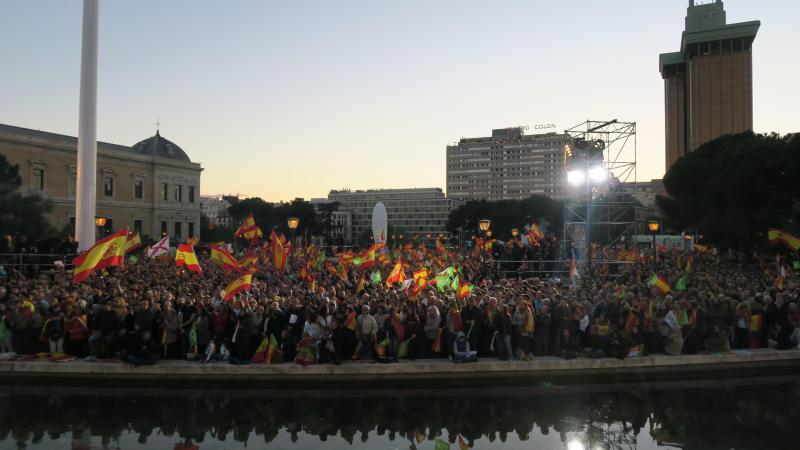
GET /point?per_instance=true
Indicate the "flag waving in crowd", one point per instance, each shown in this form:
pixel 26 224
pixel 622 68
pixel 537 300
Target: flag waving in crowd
pixel 184 256
pixel 133 242
pixel 239 284
pixel 159 248
pixel 109 251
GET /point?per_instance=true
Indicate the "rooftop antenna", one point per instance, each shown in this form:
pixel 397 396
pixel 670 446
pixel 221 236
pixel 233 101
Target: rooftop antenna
pixel 158 123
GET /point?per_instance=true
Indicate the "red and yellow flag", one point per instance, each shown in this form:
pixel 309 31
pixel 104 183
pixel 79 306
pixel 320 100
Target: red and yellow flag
pixel 109 251
pixel 184 256
pixel 240 283
pixel 133 242
pixel 660 284
pixel 222 257
pixel 279 254
pixel 350 321
pixel 777 236
pixel 464 291
pixel 250 259
pixel 248 229
pixel 397 275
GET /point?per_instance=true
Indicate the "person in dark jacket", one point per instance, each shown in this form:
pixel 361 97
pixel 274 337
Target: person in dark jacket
pixel 541 338
pixel 143 350
pixel 502 342
pixel 473 322
pixel 106 324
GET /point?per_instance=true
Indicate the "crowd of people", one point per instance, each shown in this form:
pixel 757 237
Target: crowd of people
pixel 151 310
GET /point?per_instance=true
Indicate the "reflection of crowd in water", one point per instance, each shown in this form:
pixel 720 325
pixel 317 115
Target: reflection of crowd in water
pixel 705 417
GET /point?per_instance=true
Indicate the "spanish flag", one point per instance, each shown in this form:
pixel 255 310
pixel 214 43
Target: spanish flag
pixel 133 242
pixel 223 257
pixel 777 236
pixel 420 278
pixel 184 256
pixel 535 235
pixel 464 290
pixel 248 229
pixel 109 251
pixel 396 275
pixel 440 247
pixel 279 253
pixel 350 321
pixel 241 283
pixel 659 283
pixel 249 259
pixel 341 270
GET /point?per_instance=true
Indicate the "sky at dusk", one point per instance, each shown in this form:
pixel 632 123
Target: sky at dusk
pixel 292 99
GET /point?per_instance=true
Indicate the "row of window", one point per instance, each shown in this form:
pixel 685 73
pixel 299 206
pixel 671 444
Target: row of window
pixel 109 186
pixel 177 228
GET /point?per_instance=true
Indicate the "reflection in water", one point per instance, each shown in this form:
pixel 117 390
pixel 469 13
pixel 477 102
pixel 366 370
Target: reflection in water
pixel 745 414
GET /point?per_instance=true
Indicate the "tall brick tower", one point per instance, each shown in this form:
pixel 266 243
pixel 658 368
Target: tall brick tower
pixel 708 84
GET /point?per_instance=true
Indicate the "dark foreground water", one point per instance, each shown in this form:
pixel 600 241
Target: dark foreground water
pixel 759 413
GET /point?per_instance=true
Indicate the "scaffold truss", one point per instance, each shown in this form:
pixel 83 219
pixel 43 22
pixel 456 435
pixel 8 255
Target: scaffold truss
pixel 603 205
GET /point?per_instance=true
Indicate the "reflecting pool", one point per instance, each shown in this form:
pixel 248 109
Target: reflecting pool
pixel 755 413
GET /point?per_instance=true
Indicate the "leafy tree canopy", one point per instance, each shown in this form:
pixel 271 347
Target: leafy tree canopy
pixel 21 216
pixel 735 187
pixel 274 215
pixel 508 214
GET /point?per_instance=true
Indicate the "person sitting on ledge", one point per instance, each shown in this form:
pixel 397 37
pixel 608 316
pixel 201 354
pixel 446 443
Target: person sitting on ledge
pixel 143 351
pixel 461 349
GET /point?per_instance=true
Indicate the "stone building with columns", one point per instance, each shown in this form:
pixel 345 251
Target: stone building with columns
pixel 151 187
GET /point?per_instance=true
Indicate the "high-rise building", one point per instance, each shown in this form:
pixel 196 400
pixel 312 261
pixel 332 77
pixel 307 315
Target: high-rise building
pixel 507 165
pixel 412 211
pixel 708 84
pixel 151 187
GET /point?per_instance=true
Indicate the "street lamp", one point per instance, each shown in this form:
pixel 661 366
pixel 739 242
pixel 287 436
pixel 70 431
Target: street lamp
pixel 292 223
pixel 654 226
pixel 484 224
pixel 514 233
pixel 489 233
pixel 100 222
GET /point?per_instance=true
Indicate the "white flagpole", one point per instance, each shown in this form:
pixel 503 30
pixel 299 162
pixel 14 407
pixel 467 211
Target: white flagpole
pixel 85 206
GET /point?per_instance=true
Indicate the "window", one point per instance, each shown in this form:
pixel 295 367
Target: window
pixel 177 230
pixel 178 193
pixel 164 190
pixel 191 194
pixel 138 189
pixel 163 228
pixel 38 179
pixel 73 183
pixel 72 226
pixel 191 229
pixel 137 225
pixel 108 186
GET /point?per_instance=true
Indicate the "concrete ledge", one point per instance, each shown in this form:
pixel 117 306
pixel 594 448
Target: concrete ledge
pixel 556 370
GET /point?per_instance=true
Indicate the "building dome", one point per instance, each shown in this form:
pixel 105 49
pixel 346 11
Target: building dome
pixel 161 147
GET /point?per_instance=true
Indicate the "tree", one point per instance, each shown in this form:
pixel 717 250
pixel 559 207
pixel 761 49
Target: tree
pixel 508 214
pixel 210 232
pixel 271 215
pixel 23 217
pixel 735 187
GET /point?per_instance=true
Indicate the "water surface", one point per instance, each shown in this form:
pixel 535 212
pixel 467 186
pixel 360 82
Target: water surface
pixel 760 413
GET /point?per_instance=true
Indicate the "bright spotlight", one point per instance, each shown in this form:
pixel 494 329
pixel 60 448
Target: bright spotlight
pixel 576 177
pixel 575 445
pixel 597 174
